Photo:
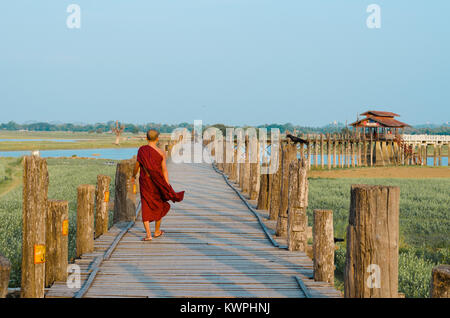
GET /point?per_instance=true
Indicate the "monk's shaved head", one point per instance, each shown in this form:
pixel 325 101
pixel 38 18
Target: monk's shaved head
pixel 152 134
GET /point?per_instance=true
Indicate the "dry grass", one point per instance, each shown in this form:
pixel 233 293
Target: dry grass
pixel 402 172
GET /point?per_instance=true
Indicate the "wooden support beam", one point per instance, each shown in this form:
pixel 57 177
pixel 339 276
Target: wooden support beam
pixel 440 282
pixel 85 219
pixel 102 204
pixel 289 154
pixel 125 196
pixel 371 267
pixel 275 190
pixel 57 233
pixel 297 223
pixel 5 269
pixel 323 246
pixel 34 213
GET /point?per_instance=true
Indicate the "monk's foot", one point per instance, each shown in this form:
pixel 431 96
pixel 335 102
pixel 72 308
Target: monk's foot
pixel 147 238
pixel 157 234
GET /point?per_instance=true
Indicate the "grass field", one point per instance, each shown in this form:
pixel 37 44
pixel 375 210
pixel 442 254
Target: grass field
pixel 65 176
pixel 83 141
pixel 424 224
pixel 424 211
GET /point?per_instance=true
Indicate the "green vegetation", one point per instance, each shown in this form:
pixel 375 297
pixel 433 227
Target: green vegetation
pixel 424 225
pixel 65 176
pixel 82 141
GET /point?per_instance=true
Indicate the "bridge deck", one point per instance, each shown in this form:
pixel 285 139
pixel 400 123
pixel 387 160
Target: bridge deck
pixel 213 247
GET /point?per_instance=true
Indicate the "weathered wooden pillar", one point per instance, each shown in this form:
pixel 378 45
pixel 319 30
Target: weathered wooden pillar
pixel 371 150
pixel 233 174
pixel 246 182
pixel 339 154
pixel 371 266
pixel 57 231
pixel 297 223
pixel 323 246
pixel 308 150
pixel 439 155
pixel 328 152
pixel 440 282
pixel 322 164
pixel 334 151
pixel 85 219
pixel 316 153
pixel 255 168
pixel 34 213
pixel 289 154
pixel 364 161
pixel 435 160
pixel 102 203
pixel 5 269
pixel 125 196
pixel 275 190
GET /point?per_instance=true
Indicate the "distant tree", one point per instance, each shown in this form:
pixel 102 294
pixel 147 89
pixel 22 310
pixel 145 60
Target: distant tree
pixel 117 129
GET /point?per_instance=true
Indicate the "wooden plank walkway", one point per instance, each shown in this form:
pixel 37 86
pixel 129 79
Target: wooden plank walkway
pixel 213 247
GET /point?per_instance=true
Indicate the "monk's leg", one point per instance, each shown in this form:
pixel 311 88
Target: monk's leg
pixel 158 227
pixel 147 230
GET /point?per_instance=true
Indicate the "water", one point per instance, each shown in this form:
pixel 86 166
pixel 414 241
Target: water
pixel 51 140
pixel 104 153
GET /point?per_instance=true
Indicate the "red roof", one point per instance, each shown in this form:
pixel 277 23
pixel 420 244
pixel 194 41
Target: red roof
pixel 380 114
pixel 383 121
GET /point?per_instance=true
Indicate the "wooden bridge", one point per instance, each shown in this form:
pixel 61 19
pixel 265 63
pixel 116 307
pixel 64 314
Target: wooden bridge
pixel 214 246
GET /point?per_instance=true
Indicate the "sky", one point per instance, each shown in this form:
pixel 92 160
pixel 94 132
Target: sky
pixel 235 62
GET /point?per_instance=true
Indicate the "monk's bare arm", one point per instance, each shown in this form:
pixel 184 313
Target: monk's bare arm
pixel 164 169
pixel 135 171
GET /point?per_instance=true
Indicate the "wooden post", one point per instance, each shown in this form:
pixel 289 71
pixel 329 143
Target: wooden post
pixel 102 203
pixel 289 154
pixel 308 151
pixel 275 187
pixel 434 155
pixel 57 233
pixel 328 152
pixel 254 183
pixel 5 269
pixel 440 282
pixel 371 265
pixel 334 151
pixel 246 182
pixel 233 175
pixel 321 151
pixel 34 210
pixel 85 219
pixel 364 161
pixel 124 198
pixel 297 223
pixel 323 246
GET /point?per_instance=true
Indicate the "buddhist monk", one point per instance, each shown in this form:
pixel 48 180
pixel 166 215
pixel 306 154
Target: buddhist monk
pixel 154 184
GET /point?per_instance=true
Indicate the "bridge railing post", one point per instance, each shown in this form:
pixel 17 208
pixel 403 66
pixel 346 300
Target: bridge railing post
pixel 85 219
pixel 5 269
pixel 125 192
pixel 57 231
pixel 440 282
pixel 288 155
pixel 34 210
pixel 102 205
pixel 323 246
pixel 297 223
pixel 371 265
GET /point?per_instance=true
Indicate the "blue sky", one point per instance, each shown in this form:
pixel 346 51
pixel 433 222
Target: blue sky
pixel 231 61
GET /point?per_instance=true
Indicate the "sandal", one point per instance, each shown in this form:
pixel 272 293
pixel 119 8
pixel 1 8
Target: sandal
pixel 146 239
pixel 160 233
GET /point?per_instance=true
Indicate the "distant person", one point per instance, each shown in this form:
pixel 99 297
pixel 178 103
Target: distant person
pixel 154 185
